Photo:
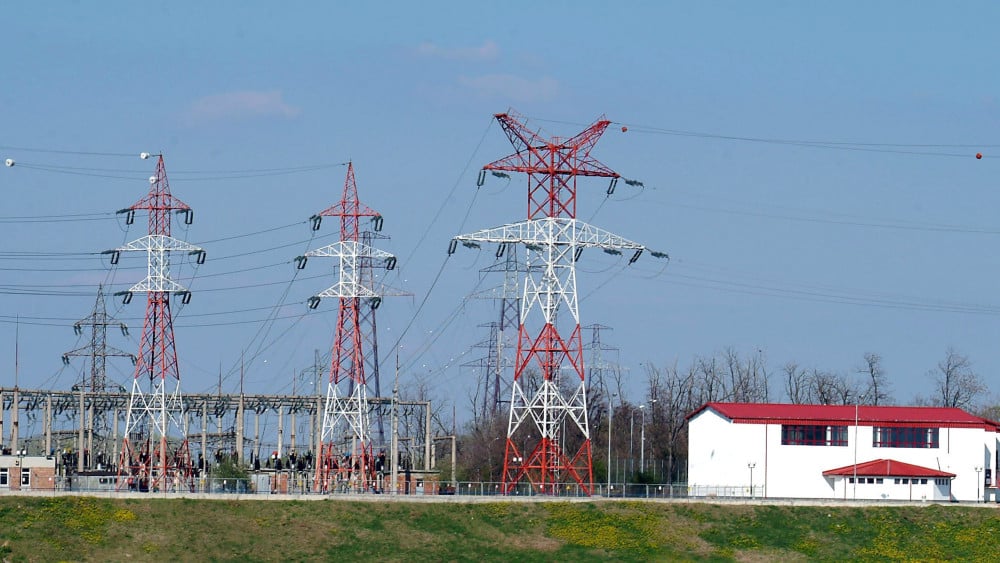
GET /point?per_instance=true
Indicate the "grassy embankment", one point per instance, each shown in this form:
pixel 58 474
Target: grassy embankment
pixel 84 528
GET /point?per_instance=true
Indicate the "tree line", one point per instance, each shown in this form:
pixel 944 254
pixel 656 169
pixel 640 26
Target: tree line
pixel 672 392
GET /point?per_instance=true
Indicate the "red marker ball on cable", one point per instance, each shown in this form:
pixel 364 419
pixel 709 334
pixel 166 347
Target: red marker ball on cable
pixel 624 128
pixel 979 155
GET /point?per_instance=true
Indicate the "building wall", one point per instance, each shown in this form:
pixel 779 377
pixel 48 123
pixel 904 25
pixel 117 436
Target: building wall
pixel 889 489
pixel 42 472
pixel 720 452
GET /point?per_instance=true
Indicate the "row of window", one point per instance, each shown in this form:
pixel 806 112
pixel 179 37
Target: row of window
pixel 897 481
pixel 5 477
pixel 882 436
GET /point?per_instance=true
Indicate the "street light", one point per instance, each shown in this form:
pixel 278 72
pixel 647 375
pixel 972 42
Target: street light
pixel 20 466
pixel 631 440
pixel 611 414
pixel 860 398
pixel 642 441
pixel 751 465
pixel 978 471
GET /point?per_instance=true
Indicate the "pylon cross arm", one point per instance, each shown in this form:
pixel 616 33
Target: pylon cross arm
pixel 158 284
pixel 348 290
pixel 158 243
pixel 555 156
pixel 349 248
pixel 160 202
pixel 552 230
pixel 594 237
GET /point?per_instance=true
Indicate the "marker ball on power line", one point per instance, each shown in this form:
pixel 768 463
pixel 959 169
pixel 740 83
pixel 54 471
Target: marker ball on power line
pixel 979 155
pixel 144 155
pixel 624 129
pixel 9 162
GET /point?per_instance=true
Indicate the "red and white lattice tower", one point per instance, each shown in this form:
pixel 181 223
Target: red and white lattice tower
pixel 155 454
pixel 548 436
pixel 346 442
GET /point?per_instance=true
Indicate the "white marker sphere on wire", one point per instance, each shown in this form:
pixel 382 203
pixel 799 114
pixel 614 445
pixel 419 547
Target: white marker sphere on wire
pixel 144 155
pixel 9 162
pixel 152 179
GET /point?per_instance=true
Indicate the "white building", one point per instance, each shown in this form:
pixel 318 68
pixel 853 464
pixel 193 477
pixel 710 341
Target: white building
pixel 840 452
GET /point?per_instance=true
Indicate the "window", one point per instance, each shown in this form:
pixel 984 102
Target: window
pixel 803 435
pixel 878 481
pixel 25 477
pixel 941 482
pixel 893 437
pixel 4 477
pixel 923 481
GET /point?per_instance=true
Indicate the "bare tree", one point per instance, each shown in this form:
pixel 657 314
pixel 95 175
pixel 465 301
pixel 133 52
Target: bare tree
pixel 828 388
pixel 877 383
pixel 956 385
pixel 797 387
pixel 708 381
pixel 748 379
pixel 675 394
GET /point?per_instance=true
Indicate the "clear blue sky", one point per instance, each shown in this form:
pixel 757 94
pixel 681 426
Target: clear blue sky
pixel 812 254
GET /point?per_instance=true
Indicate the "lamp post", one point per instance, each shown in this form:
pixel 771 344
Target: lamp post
pixel 631 440
pixel 642 441
pixel 978 471
pixel 611 414
pixel 856 403
pixel 20 466
pixel 751 465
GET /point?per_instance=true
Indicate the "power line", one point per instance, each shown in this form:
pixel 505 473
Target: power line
pixel 878 147
pixel 59 151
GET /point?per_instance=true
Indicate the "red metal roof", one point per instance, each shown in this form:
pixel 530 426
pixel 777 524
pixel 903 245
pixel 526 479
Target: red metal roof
pixel 887 468
pixel 868 415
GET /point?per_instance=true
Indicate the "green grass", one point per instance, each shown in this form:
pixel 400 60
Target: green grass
pixel 98 529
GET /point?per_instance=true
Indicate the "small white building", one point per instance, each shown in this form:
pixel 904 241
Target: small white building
pixel 881 479
pixel 840 452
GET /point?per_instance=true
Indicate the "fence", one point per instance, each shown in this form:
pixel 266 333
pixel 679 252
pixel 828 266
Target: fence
pixel 615 490
pixel 301 483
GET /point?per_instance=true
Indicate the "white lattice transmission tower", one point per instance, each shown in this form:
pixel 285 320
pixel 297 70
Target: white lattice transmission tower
pixel 155 454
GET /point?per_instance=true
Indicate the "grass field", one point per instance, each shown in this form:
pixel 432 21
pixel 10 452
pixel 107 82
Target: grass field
pixel 74 528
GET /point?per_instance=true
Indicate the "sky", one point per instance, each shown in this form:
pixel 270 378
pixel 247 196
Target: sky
pixel 810 169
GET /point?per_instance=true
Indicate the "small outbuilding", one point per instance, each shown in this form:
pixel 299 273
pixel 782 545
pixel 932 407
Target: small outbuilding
pixel 27 473
pixel 886 479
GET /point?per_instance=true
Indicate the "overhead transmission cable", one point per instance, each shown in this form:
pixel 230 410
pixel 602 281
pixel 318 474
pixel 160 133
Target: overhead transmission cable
pixel 862 146
pixel 433 221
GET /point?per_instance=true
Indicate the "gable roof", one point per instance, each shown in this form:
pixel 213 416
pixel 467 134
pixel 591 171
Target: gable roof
pixel 867 415
pixel 887 468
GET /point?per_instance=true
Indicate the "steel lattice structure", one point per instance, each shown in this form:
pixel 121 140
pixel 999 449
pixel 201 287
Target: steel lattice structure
pixel 97 351
pixel 346 430
pixel 155 453
pixel 97 348
pixel 494 382
pixel 548 435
